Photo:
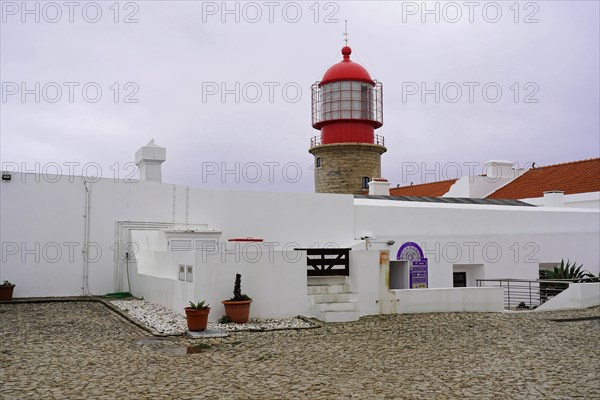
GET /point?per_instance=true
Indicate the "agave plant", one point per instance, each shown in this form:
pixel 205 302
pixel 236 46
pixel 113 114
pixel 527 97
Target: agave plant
pixel 569 271
pixel 199 306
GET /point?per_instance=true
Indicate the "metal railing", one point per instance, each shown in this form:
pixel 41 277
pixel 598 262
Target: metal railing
pixel 520 293
pixel 316 140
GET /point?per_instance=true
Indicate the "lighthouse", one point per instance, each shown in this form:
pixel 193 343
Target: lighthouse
pixel 347 107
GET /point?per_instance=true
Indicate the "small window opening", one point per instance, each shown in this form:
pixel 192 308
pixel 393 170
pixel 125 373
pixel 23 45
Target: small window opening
pixel 365 182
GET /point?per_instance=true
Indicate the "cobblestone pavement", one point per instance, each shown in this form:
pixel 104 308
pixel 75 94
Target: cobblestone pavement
pixel 83 350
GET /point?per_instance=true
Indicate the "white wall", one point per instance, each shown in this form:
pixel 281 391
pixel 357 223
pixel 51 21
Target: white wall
pixel 40 214
pixel 448 300
pixel 473 272
pixel 579 200
pixel 509 241
pixel 275 280
pixel 369 277
pixel 42 230
pixel 477 187
pixel 39 211
pixel 577 295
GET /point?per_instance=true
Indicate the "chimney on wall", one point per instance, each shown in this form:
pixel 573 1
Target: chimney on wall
pixel 499 169
pixel 379 187
pixel 149 158
pixel 554 198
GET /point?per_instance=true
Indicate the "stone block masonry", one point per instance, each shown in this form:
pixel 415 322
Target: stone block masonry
pixel 342 166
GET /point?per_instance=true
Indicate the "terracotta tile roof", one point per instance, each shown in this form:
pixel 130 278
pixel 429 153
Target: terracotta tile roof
pixel 572 177
pixel 432 189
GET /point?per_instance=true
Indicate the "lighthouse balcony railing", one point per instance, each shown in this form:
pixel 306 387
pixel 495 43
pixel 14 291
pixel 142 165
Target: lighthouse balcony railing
pixel 317 141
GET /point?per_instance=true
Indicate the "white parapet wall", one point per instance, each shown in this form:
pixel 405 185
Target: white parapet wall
pixel 476 299
pixel 275 279
pixel 577 295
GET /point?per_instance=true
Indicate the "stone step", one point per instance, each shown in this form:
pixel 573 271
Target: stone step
pixel 327 307
pixel 332 297
pixel 328 289
pixel 338 316
pixel 326 280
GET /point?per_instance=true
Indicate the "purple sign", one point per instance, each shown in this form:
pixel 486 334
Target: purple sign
pixel 409 251
pixel 418 266
pixel 419 274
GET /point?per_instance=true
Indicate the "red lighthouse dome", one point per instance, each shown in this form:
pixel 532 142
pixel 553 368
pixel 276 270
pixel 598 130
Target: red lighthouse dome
pixel 347 104
pixel 346 70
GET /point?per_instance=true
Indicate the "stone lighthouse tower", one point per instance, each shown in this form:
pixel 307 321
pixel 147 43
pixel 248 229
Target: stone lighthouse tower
pixel 347 107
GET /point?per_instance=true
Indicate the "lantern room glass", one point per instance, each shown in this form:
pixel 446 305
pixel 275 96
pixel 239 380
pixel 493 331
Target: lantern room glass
pixel 347 100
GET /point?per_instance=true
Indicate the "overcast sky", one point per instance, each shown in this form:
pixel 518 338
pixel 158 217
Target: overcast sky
pixel 161 68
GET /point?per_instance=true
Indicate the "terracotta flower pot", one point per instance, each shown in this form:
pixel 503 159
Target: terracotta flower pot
pixel 196 319
pixel 6 292
pixel 237 311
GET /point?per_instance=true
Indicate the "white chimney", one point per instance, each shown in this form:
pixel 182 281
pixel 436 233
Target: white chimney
pixel 499 169
pixel 379 187
pixel 554 198
pixel 149 158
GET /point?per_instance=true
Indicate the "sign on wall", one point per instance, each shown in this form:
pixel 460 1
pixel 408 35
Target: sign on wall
pixel 419 274
pixel 418 265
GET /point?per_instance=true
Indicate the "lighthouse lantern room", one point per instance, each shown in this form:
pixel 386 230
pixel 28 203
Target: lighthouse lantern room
pixel 347 107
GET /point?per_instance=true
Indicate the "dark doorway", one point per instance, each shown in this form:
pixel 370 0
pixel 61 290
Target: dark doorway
pixel 459 279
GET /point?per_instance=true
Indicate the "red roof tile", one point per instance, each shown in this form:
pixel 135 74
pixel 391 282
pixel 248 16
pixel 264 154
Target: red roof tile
pixel 432 189
pixel 572 177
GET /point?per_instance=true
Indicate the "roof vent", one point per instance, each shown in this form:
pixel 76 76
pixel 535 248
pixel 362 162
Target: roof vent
pixel 379 187
pixel 554 198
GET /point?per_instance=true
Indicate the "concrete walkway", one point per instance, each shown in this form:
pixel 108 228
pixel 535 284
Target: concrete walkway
pixel 83 350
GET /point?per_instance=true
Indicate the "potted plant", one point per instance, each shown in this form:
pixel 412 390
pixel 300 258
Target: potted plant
pixel 197 316
pixel 237 308
pixel 6 291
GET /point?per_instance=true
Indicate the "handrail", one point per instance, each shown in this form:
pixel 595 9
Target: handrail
pixel 529 293
pixel 594 279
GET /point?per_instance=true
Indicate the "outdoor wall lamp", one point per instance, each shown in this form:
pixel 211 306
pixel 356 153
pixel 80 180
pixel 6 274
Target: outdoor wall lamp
pixel 368 242
pixel 6 176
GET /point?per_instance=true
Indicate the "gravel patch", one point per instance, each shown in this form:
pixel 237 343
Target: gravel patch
pixel 169 322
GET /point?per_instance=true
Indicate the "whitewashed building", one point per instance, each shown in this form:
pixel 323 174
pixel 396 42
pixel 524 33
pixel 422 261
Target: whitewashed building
pixel 65 236
pixel 332 256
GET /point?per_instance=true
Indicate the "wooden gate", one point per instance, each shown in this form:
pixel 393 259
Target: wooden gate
pixel 327 262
